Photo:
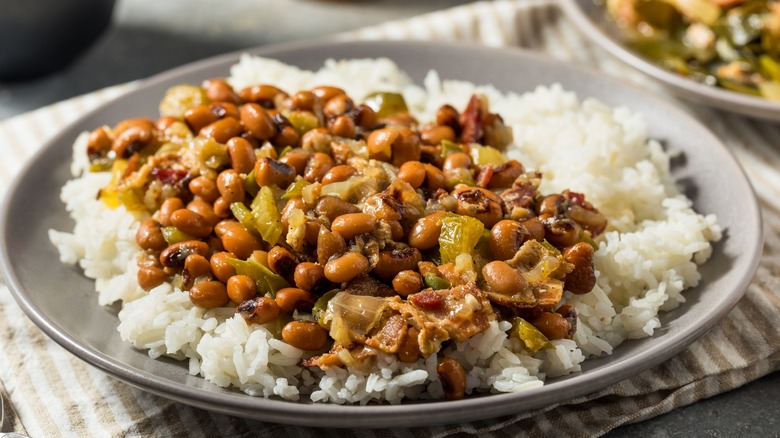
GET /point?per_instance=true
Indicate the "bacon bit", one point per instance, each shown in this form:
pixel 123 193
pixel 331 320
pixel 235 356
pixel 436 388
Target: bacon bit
pixel 471 121
pixel 576 198
pixel 484 176
pixel 168 175
pixel 427 300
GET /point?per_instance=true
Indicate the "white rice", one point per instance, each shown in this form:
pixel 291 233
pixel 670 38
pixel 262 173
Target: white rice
pixel 646 259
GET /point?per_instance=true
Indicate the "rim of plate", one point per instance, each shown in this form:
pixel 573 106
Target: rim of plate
pixel 412 413
pixel 682 86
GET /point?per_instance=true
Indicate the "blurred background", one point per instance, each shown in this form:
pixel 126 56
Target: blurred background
pixel 150 36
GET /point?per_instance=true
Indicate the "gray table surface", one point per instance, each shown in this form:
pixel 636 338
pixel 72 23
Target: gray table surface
pixel 150 36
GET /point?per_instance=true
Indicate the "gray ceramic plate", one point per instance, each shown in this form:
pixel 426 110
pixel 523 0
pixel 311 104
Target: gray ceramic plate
pixel 60 300
pixel 590 17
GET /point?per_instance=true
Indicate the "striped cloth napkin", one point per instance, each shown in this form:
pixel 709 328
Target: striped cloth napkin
pixel 52 393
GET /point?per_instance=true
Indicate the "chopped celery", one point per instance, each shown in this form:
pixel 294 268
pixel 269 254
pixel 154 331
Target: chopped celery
pixel 180 98
pixel 487 155
pixel 265 216
pixel 322 304
pixel 386 104
pixel 285 150
pixel 250 185
pixel 296 189
pixel 459 235
pixel 435 282
pixel 533 339
pixel 448 147
pixel 174 235
pixel 268 283
pixel 213 154
pixel 100 165
pixel 303 121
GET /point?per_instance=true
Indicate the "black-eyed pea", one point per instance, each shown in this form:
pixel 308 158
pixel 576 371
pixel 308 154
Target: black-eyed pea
pixel 425 232
pixel 242 155
pixel 222 130
pixel 434 177
pixel 195 266
pixel 209 294
pixel 175 255
pixel 560 231
pixel 329 244
pixel 346 267
pixel 264 94
pixel 582 279
pixel 535 228
pixel 205 188
pixel 409 350
pixel 380 143
pixel 257 121
pixel 305 335
pixel 317 166
pixel 291 299
pixel 435 134
pixel 297 158
pixel 505 174
pixel 552 325
pixel 220 266
pixel 272 172
pixel 304 100
pixel 338 173
pixel 326 92
pixel 149 236
pixel 343 126
pixel 199 117
pixel 237 239
pixel 506 238
pixel 205 209
pixel 282 262
pixel 167 208
pixel 311 277
pixel 333 207
pixel 502 278
pixel 222 208
pixel 447 115
pixel 218 90
pixel 150 277
pixel 352 224
pixel 259 310
pixel 413 172
pixel 407 282
pixel 241 288
pixel 231 186
pixel 191 223
pixel 98 142
pixel 452 377
pixel 390 263
pixel 479 203
pixel 132 140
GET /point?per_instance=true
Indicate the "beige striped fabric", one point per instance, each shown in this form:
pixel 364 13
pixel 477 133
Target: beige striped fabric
pixel 51 393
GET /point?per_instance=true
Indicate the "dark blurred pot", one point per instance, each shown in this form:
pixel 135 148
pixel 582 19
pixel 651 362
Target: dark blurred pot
pixel 41 36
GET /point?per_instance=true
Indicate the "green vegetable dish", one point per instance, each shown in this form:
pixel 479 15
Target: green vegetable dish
pixel 733 44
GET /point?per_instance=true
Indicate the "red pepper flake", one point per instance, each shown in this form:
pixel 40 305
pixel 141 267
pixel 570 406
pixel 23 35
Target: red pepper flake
pixel 427 300
pixel 168 175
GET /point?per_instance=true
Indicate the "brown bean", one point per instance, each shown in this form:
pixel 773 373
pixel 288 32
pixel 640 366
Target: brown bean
pixel 231 186
pixel 506 238
pixel 534 227
pixel 270 172
pixel 282 261
pixel 149 277
pixel 260 310
pixel 407 282
pixel 412 172
pixel 434 177
pixel 409 350
pixel 199 117
pixel 204 188
pixel 582 279
pixel 329 244
pixel 165 122
pixel 175 255
pixel 204 209
pixel 364 116
pixel 219 90
pixel 195 266
pixel 209 294
pixel 456 160
pixel 191 223
pixel 242 155
pixel 503 279
pixel 257 121
pixel 220 266
pixel 390 263
pixel 241 288
pixel 325 92
pixel 222 130
pixel 343 126
pixel 285 136
pixel 292 204
pixel 237 239
pixel 448 115
pixel 338 173
pixel 224 110
pixel 425 232
pixel 435 134
pixel 560 231
pixel 505 174
pixel 406 147
pixel 346 267
pixel 222 208
pixel 291 298
pixel 452 377
pixel 132 140
pixel 305 335
pixel 317 166
pixel 333 207
pixel 297 158
pixel 552 325
pixel 351 224
pixel 166 209
pixel 149 236
pixel 263 93
pixel 310 277
pixel 98 142
pixel 304 100
pixel 550 205
pixel 380 143
pixel 337 105
pixel 479 203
